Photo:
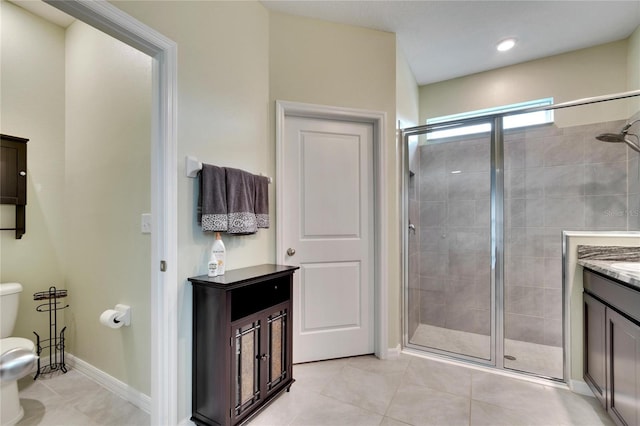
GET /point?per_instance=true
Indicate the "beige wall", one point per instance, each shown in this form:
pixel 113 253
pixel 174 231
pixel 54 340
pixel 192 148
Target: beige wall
pixel 599 70
pixel 223 101
pixel 633 72
pixel 407 93
pixel 319 62
pixel 83 99
pixel 32 106
pixel 108 185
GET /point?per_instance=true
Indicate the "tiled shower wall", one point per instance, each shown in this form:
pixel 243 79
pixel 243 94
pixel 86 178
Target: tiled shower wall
pixel 454 212
pixel 555 180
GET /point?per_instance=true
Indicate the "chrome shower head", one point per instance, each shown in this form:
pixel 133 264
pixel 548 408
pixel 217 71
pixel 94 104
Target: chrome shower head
pixel 611 137
pixel 622 137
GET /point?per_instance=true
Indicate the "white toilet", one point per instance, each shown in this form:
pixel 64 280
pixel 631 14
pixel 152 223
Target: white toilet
pixel 17 356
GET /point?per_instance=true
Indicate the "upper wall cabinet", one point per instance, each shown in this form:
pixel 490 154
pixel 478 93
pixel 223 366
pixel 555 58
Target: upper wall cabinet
pixel 13 178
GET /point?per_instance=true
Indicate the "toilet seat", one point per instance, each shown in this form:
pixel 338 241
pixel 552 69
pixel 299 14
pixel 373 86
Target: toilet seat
pixel 9 343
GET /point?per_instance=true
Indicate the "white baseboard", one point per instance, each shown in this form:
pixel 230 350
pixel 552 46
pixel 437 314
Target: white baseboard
pixel 394 353
pixel 116 386
pixel 581 387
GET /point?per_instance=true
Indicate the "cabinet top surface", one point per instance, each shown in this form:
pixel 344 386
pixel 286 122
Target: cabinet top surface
pixel 242 276
pixel 13 138
pixel 604 267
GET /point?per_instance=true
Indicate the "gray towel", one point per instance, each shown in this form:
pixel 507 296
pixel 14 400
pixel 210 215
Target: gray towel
pixel 262 201
pixel 241 202
pixel 212 199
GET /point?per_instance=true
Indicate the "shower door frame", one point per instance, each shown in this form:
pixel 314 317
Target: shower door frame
pixel 497 250
pixel 497 235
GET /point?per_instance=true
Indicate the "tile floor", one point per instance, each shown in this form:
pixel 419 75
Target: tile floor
pixel 351 391
pixel 74 399
pixel 530 357
pixel 418 391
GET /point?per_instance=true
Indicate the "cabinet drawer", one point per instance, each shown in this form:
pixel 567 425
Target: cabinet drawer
pixel 254 298
pixel 616 295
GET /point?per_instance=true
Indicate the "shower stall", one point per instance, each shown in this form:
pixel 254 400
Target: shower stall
pixel 484 215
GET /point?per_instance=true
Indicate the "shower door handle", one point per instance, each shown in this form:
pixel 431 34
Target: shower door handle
pixel 412 227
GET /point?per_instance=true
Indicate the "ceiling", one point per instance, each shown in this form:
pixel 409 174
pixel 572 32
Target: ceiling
pixel 442 40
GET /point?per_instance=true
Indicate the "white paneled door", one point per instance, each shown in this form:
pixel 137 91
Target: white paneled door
pixel 328 231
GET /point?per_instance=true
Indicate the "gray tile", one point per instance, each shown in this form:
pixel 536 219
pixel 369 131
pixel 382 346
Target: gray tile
pixel 469 157
pixel 606 211
pixel 434 239
pixel 433 314
pixel 439 376
pixel 634 173
pixel 553 303
pixel 534 184
pixel 418 405
pixel 483 414
pixel 606 178
pixel 525 300
pixel 330 412
pixel 461 265
pixel 483 213
pixel 514 154
pixel 461 212
pixel 633 217
pixel 434 263
pixel 564 181
pixel 534 152
pixel 564 212
pixel 433 213
pixel 364 389
pixel 564 149
pixel 433 187
pixel 552 332
pixel 600 152
pixel 314 376
pixel 533 272
pixel 514 183
pixel 523 327
pixel 552 272
pixel 534 212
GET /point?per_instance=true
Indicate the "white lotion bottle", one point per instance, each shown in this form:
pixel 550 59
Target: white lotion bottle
pixel 218 252
pixel 212 265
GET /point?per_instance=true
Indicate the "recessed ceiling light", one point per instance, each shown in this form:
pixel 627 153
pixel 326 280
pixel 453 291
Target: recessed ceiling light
pixel 505 45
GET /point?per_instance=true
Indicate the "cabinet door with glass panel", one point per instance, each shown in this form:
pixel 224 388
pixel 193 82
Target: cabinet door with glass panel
pixel 260 362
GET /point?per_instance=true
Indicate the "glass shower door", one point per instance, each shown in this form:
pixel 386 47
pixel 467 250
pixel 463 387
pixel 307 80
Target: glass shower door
pixel 448 299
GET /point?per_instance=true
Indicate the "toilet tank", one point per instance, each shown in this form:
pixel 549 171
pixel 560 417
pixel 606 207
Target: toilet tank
pixel 9 302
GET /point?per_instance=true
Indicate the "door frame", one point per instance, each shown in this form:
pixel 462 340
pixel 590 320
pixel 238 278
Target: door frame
pixel 286 109
pixel 164 171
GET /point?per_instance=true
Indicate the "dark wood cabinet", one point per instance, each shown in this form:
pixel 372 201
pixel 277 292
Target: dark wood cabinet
pixel 612 346
pixel 623 369
pixel 13 178
pixel 242 342
pixel 595 347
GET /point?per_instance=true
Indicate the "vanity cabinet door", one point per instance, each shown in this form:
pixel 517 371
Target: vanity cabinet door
pixel 246 349
pixel 277 352
pixel 595 348
pixel 623 369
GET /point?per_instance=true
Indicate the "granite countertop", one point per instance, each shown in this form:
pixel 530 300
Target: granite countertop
pixel 601 259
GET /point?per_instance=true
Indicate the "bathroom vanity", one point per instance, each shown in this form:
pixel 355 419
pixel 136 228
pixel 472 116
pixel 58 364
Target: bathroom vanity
pixel 612 339
pixel 242 342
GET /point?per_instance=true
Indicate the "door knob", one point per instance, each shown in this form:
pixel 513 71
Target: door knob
pixel 291 251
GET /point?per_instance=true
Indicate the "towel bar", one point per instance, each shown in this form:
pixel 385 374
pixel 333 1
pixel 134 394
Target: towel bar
pixel 192 166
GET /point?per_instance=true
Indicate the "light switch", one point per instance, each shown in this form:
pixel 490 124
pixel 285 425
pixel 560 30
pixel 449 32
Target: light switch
pixel 145 223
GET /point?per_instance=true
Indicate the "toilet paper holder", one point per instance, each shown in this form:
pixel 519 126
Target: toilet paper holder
pixel 125 314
